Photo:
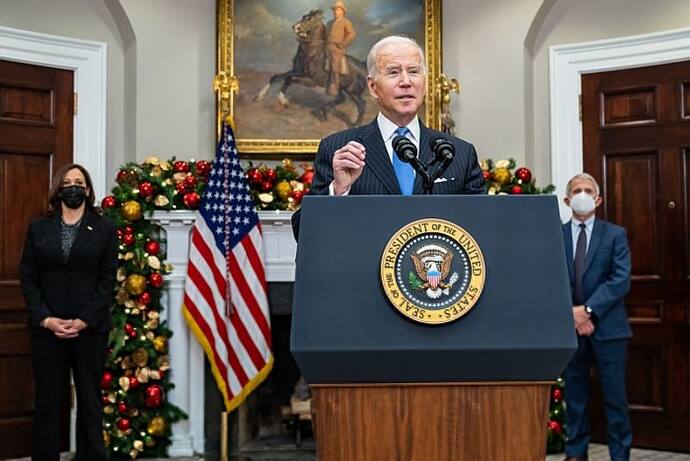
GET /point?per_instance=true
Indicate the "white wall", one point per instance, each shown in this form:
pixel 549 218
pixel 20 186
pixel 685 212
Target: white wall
pixel 161 61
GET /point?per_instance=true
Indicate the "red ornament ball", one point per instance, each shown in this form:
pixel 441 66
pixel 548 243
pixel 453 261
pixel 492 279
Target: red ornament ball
pixel 152 247
pixel 555 427
pixel 266 186
pixel 133 382
pixel 307 177
pixel 180 167
pixel 486 175
pixel 516 190
pixel 122 407
pixel 146 189
pixel 191 200
pixel 106 380
pixel 123 424
pixel 254 176
pixel 153 395
pixel 156 280
pixel 297 196
pixel 203 168
pixel 109 201
pixel 181 187
pixel 129 230
pixel 557 395
pixel 128 239
pixel 271 175
pixel 190 182
pixel 130 330
pixel 121 176
pixel 523 174
pixel 145 297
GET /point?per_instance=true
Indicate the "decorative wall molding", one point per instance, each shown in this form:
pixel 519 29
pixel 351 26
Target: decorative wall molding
pixel 88 60
pixel 566 65
pixel 186 355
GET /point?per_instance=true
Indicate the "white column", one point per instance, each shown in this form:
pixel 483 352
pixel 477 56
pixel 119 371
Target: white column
pixel 186 355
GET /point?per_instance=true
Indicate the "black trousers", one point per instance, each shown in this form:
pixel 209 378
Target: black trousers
pixel 52 359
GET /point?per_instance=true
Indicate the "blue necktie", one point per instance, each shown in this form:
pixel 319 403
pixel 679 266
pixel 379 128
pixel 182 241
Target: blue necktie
pixel 403 171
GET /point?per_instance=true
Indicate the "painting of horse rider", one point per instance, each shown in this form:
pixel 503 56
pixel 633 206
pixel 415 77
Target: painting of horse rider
pixel 301 64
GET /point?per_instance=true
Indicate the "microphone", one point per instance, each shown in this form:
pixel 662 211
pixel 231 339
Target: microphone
pixel 444 153
pixel 405 150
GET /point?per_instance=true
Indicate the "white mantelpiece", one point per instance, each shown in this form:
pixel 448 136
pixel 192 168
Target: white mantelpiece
pixel 186 355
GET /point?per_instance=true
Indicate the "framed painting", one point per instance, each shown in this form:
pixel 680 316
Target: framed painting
pixel 278 54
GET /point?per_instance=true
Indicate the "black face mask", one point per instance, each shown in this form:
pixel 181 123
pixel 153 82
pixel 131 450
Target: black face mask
pixel 72 196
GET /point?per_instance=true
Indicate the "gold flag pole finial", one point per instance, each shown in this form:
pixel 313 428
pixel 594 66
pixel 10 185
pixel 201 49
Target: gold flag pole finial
pixel 224 85
pixel 444 85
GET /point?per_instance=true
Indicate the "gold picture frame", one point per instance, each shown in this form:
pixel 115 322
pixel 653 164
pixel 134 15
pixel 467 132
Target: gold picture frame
pixel 227 85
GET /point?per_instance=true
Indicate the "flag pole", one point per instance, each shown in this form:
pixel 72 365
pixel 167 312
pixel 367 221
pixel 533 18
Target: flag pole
pixel 224 436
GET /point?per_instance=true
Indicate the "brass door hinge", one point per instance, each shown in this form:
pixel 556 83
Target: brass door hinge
pixel 76 101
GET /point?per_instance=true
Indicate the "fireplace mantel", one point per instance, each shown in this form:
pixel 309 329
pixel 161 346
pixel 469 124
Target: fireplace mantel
pixel 186 355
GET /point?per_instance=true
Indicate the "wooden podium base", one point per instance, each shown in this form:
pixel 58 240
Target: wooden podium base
pixel 431 422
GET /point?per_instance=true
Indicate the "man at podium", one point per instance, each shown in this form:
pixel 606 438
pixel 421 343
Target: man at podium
pixel 361 160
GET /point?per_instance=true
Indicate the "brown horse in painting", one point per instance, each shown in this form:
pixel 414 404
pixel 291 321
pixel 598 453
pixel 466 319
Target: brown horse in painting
pixel 309 69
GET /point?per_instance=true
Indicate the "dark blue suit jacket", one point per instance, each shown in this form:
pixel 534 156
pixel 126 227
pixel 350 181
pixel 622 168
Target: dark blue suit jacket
pixel 463 176
pixel 606 280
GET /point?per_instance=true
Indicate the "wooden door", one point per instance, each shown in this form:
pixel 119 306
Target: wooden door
pixel 636 126
pixel 36 107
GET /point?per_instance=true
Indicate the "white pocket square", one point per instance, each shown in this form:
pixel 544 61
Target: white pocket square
pixel 437 180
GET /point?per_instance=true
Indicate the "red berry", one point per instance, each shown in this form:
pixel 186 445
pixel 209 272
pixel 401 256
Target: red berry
pixel 146 189
pixel 130 330
pixel 486 175
pixel 516 190
pixel 180 167
pixel 145 297
pixel 108 201
pixel 128 239
pixel 156 280
pixel 123 424
pixel 181 187
pixel 191 200
pixel 152 247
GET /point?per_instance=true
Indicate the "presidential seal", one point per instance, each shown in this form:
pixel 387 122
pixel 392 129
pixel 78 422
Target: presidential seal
pixel 432 271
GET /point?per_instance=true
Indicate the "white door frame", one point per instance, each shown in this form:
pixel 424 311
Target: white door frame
pixel 88 60
pixel 566 65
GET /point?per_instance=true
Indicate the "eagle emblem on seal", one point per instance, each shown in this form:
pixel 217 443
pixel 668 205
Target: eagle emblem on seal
pixel 432 265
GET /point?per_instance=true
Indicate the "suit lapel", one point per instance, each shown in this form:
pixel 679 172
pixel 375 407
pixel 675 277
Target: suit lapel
pixel 54 235
pixel 377 158
pixel 597 233
pixel 84 234
pixel 425 155
pixel 568 239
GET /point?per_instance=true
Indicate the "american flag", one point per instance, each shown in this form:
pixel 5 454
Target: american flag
pixel 225 300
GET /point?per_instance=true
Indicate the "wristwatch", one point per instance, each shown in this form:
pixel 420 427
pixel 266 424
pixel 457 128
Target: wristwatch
pixel 589 310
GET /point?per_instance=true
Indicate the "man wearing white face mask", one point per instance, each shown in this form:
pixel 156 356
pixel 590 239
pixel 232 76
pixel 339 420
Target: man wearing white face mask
pixel 598 258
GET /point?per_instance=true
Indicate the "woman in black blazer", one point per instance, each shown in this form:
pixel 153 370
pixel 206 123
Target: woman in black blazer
pixel 67 274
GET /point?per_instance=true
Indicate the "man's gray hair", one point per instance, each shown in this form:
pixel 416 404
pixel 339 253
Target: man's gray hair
pixel 391 40
pixel 585 176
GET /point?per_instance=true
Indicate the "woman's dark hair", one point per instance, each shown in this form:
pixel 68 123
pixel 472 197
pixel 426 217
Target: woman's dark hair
pixel 53 199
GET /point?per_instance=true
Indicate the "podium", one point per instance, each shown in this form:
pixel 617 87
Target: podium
pixel 386 387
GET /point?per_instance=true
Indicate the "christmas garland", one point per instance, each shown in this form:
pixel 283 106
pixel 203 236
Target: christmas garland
pixel 137 417
pixel 279 188
pixel 499 179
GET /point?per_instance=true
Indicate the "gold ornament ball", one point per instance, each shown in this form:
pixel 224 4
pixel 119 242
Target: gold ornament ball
pixel 160 343
pixel 283 189
pixel 501 176
pixel 156 426
pixel 136 284
pixel 131 210
pixel 140 357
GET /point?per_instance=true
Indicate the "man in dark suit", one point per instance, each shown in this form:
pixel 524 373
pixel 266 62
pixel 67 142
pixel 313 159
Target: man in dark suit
pixel 361 161
pixel 598 258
